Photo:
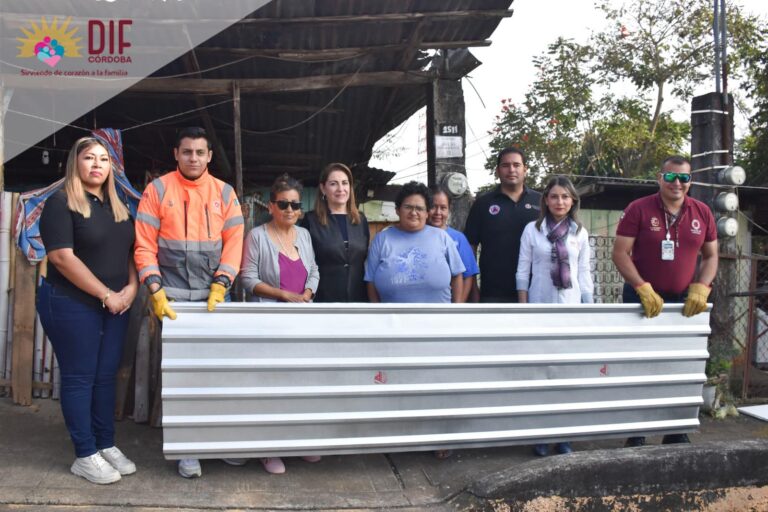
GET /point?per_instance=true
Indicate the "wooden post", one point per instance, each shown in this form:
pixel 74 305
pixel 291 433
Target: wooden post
pixel 136 315
pixel 23 330
pixel 141 393
pixel 236 286
pixel 238 141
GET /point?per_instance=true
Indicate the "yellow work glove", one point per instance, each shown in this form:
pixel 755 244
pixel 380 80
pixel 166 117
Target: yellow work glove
pixel 650 300
pixel 696 301
pixel 160 305
pixel 216 295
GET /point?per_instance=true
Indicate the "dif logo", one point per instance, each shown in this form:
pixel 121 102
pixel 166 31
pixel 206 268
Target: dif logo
pixel 107 41
pixel 52 42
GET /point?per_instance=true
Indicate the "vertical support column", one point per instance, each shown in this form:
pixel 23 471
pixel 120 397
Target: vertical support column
pixel 711 151
pixel 2 137
pixel 237 290
pixel 23 330
pixel 446 145
pixel 238 140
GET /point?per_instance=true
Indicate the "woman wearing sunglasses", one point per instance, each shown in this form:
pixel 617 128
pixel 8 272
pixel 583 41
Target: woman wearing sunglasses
pixel 410 261
pixel 279 263
pixel 553 266
pixel 278 260
pixel 339 237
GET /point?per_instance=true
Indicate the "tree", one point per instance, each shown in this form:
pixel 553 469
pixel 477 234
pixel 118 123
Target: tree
pixel 557 110
pixel 753 150
pixel 572 122
pixel 666 45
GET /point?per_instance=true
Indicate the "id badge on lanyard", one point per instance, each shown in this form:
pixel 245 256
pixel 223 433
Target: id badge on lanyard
pixel 667 246
pixel 667 250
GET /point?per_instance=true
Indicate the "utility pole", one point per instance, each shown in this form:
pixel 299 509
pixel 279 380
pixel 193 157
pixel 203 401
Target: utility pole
pixel 447 141
pixel 713 170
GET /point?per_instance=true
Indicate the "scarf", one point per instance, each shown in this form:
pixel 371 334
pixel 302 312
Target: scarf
pixel 561 269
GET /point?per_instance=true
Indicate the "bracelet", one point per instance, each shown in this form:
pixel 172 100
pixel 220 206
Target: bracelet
pixel 106 297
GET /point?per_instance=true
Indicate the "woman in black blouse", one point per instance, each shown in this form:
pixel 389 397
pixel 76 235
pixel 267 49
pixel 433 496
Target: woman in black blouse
pixel 91 283
pixel 339 237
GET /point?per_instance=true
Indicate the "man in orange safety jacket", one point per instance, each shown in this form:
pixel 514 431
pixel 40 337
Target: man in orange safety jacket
pixel 189 236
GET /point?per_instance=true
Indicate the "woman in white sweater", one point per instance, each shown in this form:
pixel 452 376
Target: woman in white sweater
pixel 553 266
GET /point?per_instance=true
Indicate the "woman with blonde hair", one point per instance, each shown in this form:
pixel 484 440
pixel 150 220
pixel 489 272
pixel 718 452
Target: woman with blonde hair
pixel 91 283
pixel 553 266
pixel 340 237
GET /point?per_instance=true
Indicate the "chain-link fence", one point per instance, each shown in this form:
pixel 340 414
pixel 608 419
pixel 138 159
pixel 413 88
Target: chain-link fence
pixel 755 354
pixel 608 281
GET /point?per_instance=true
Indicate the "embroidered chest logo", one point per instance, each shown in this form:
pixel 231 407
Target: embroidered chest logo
pixel 217 206
pixel 527 206
pixel 655 224
pixel 494 209
pixel 170 203
pixel 695 227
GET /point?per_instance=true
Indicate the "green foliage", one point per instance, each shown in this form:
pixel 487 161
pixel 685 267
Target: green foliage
pixel 753 150
pixel 570 122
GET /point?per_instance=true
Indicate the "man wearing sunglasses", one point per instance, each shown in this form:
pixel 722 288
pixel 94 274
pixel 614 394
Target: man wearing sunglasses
pixel 658 243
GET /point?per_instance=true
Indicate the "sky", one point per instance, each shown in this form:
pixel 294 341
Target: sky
pixel 506 72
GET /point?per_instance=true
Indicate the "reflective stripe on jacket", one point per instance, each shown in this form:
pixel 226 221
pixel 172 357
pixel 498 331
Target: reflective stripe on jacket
pixel 188 232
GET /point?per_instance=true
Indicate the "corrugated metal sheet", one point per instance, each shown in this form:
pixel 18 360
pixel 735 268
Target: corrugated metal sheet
pixel 261 380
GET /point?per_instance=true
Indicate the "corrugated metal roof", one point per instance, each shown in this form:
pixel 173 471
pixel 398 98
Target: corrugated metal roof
pixel 300 131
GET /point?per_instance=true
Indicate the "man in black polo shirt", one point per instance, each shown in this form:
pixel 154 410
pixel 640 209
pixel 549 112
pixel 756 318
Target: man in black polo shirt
pixel 496 222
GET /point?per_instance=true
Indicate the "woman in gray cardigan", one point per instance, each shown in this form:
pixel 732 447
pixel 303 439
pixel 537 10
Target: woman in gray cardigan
pixel 279 266
pixel 278 260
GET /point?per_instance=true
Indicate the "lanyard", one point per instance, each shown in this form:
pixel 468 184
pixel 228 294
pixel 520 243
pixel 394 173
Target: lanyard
pixel 675 222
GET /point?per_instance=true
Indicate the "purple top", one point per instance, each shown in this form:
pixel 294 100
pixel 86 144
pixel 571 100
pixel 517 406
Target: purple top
pixel 293 274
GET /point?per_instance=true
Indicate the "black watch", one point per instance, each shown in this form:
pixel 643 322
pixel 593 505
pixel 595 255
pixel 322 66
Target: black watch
pixel 222 280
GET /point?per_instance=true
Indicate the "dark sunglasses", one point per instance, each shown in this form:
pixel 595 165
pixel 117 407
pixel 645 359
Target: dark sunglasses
pixel 283 205
pixel 670 177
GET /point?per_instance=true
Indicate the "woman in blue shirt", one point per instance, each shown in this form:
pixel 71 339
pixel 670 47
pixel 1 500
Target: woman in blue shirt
pixel 410 261
pixel 438 217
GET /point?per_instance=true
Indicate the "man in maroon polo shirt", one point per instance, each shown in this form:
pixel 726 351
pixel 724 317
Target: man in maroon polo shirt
pixel 658 242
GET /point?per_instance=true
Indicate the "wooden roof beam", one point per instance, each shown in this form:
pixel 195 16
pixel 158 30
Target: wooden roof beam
pixel 223 86
pixel 306 55
pixel 383 17
pixel 284 85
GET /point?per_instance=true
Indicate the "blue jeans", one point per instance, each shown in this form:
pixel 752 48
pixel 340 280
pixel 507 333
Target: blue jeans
pixel 88 343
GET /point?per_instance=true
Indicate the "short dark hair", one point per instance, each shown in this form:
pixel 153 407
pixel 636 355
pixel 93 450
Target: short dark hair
pixel 283 183
pixel 414 188
pixel 507 151
pixel 192 132
pixel 674 159
pixel 439 189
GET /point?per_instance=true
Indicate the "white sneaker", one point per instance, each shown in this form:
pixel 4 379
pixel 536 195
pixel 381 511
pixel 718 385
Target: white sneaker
pixel 118 460
pixel 236 462
pixel 190 468
pixel 95 469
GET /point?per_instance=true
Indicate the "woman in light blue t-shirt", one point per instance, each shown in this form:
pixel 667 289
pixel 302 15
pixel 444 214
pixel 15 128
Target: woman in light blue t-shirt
pixel 410 261
pixel 438 217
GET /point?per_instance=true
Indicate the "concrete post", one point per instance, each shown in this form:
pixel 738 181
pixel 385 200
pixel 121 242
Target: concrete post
pixel 446 144
pixel 711 151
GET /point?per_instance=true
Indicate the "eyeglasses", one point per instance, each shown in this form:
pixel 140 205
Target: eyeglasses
pixel 410 208
pixel 283 205
pixel 670 177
